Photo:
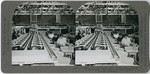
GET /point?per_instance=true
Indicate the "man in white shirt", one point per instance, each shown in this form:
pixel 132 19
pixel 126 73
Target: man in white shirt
pixel 50 35
pixel 126 41
pixel 116 35
pixel 62 41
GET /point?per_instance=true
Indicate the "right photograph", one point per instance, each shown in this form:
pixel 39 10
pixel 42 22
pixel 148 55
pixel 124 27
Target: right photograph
pixel 107 34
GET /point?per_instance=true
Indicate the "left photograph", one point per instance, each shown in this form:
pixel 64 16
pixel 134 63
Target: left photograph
pixel 43 34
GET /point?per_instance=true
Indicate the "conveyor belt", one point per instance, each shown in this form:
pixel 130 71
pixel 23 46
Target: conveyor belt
pixel 28 47
pixel 113 51
pixel 23 40
pixel 35 40
pixel 21 45
pixel 85 41
pixel 16 41
pixel 92 42
pixel 87 44
pixel 103 41
pixel 50 51
pixel 100 48
pixel 99 40
pixel 100 43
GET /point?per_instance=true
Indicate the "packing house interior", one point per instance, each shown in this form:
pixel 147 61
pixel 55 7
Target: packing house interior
pixel 107 34
pixel 51 33
pixel 43 34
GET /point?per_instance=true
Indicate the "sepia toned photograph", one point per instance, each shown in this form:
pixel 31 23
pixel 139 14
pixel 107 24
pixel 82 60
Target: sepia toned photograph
pixel 52 33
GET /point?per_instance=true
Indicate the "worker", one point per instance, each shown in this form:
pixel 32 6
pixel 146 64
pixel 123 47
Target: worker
pixel 126 41
pixel 120 38
pixel 62 40
pixel 55 38
pixel 50 35
pixel 115 35
pixel 136 39
pixel 71 38
pixel 78 36
pixel 14 35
